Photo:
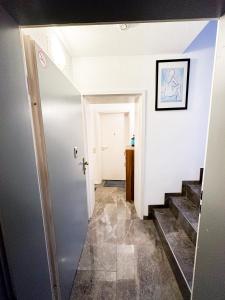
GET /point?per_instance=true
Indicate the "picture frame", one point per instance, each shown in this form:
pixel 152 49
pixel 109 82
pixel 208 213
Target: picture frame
pixel 172 83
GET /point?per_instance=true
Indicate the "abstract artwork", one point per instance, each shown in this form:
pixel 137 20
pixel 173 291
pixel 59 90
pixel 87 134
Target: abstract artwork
pixel 172 78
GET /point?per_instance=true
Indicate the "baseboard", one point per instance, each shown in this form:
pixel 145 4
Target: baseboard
pixel 151 210
pixel 201 175
pixel 168 195
pixel 146 218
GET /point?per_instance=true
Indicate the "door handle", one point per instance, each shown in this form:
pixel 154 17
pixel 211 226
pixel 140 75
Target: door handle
pixel 84 165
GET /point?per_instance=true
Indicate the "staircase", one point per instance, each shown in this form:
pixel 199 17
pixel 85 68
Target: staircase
pixel 177 224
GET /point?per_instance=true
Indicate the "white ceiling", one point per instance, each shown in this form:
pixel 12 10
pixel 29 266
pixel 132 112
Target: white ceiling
pixel 137 39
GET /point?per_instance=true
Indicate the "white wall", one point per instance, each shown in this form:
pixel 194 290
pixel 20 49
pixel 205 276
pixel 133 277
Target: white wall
pixel 175 140
pixel 200 90
pixel 50 42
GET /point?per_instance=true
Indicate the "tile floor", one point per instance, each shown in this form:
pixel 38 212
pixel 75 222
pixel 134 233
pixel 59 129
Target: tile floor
pixel 123 256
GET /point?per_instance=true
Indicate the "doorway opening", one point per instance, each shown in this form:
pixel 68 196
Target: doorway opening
pixel 175 140
pixel 114 129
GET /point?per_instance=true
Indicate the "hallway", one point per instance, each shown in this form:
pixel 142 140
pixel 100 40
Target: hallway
pixel 123 256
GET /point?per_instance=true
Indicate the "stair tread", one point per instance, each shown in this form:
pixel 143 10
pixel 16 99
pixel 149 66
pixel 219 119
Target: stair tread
pixel 189 210
pixel 181 246
pixel 196 188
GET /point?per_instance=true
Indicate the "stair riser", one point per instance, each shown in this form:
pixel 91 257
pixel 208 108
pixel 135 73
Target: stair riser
pixel 191 195
pixel 174 264
pixel 183 221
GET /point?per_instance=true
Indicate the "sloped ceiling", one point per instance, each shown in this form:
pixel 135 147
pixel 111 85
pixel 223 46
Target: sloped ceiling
pixel 137 39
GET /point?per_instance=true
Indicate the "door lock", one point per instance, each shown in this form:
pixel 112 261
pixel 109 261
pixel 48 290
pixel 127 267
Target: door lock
pixel 75 152
pixel 84 165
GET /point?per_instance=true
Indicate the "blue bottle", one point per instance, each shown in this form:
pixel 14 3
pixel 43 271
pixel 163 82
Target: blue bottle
pixel 132 141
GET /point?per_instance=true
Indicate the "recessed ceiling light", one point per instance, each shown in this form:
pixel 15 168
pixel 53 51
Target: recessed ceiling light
pixel 123 26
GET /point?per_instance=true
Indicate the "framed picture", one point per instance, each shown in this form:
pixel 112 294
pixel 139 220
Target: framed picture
pixel 172 78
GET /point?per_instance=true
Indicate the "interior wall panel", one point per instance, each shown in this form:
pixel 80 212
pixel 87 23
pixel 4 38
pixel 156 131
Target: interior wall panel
pixel 20 205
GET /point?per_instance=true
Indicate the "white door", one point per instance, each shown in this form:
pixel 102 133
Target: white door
pixel 62 124
pixel 113 146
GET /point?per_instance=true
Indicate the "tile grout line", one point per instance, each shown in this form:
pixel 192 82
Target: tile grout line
pixel 124 212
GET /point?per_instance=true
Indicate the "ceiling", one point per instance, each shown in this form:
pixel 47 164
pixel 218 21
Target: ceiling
pixel 46 12
pixel 137 39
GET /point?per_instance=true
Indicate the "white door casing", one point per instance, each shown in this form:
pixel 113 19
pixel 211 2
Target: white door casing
pixel 137 97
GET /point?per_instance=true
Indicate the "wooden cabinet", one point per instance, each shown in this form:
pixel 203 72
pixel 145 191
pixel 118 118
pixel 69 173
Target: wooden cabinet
pixel 129 153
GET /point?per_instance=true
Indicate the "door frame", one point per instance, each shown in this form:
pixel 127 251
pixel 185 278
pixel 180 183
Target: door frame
pixel 140 97
pixel 31 71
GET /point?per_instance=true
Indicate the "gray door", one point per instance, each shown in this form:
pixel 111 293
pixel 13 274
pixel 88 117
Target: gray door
pixel 62 118
pixel 20 203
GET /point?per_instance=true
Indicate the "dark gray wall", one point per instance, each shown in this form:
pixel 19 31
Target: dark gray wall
pixel 3 294
pixel 62 117
pixel 20 206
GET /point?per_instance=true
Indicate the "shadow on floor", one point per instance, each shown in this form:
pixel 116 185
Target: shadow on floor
pixel 115 183
pixel 123 256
